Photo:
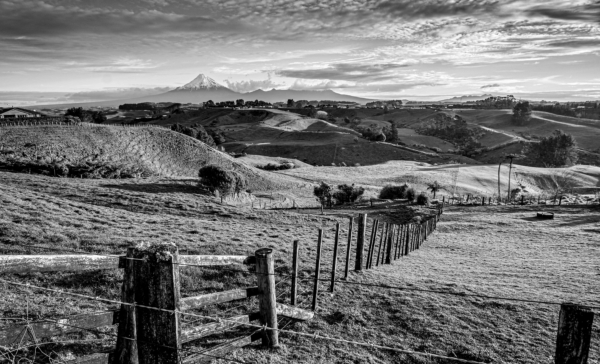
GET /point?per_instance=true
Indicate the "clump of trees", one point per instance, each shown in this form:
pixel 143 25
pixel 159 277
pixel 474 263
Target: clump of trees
pixel 217 178
pixel 197 132
pixel 86 116
pixel 456 131
pixel 277 167
pixel 345 193
pixel 422 199
pixel 556 150
pixel 394 192
pixel 522 113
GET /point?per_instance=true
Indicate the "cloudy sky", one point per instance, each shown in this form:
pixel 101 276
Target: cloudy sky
pixel 428 49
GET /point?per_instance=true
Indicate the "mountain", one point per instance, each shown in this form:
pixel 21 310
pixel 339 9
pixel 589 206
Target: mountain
pixel 466 98
pixel 284 95
pixel 203 88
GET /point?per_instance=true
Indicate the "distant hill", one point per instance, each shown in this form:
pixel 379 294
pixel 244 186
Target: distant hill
pixel 204 88
pixel 466 98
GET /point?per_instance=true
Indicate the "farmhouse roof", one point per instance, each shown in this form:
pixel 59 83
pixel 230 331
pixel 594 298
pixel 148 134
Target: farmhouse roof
pixel 7 109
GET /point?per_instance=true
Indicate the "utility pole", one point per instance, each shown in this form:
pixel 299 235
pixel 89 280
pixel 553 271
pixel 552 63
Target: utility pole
pixel 499 192
pixel 511 157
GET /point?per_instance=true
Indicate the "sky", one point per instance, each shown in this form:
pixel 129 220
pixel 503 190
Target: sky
pixel 82 50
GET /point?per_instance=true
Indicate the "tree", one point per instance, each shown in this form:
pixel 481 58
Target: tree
pixel 392 134
pixel 209 103
pixel 86 116
pixel 556 150
pixel 239 102
pixel 522 112
pixel 324 193
pixel 434 187
pixel 216 178
pixel 348 193
pixel 290 103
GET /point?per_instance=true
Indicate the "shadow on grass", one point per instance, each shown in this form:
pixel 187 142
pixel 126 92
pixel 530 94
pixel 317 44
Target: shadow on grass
pixel 174 187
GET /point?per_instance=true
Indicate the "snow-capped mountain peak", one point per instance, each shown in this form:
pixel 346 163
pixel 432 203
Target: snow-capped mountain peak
pixel 201 82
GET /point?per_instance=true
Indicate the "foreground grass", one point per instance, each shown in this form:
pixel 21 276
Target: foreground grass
pixel 496 251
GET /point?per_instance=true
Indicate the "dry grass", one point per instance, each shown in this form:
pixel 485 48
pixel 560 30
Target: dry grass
pixel 496 251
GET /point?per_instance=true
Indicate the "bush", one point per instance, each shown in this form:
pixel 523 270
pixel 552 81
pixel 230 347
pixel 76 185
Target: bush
pixel 219 179
pixel 411 194
pixel 422 199
pixel 347 193
pixel 391 192
pixel 277 167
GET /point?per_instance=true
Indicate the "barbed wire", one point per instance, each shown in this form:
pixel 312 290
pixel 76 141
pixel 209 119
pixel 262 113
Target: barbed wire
pixel 315 336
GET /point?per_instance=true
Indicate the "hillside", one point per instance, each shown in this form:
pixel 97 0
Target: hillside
pixel 280 133
pixel 492 251
pixel 161 152
pixel 479 180
pixel 586 132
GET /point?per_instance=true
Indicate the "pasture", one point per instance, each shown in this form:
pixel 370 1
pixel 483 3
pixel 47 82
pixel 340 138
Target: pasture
pixel 494 251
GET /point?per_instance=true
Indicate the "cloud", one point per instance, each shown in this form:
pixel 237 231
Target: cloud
pixel 490 86
pixel 252 85
pixel 44 19
pixel 300 84
pixel 119 65
pixel 115 94
pixel 589 12
pixel 344 71
pixel 435 8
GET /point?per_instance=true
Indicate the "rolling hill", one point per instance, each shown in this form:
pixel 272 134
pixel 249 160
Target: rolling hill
pixel 162 152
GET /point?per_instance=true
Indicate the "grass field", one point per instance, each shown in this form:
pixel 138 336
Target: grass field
pixel 499 251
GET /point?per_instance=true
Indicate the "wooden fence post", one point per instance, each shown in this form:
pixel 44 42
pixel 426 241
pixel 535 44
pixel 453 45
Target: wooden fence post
pixel 407 242
pixel 374 228
pixel 348 247
pixel 265 271
pixel 126 349
pixel 360 241
pixel 384 229
pixel 574 334
pixel 317 271
pixel 335 253
pixel 157 285
pixel 398 239
pixel 390 240
pixel 295 264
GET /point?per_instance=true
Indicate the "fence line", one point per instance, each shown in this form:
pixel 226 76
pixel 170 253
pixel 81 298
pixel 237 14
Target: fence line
pixel 261 327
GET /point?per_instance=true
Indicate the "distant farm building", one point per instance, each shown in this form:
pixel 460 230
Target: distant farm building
pixel 19 113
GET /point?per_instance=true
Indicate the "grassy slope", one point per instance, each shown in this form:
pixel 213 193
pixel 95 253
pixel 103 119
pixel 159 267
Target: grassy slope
pixel 475 250
pixel 541 124
pixel 164 152
pixel 480 179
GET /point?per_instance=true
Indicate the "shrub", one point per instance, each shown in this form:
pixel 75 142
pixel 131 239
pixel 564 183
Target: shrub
pixel 411 194
pixel 277 167
pixel 422 199
pixel 436 149
pixel 391 192
pixel 219 179
pixel 347 193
